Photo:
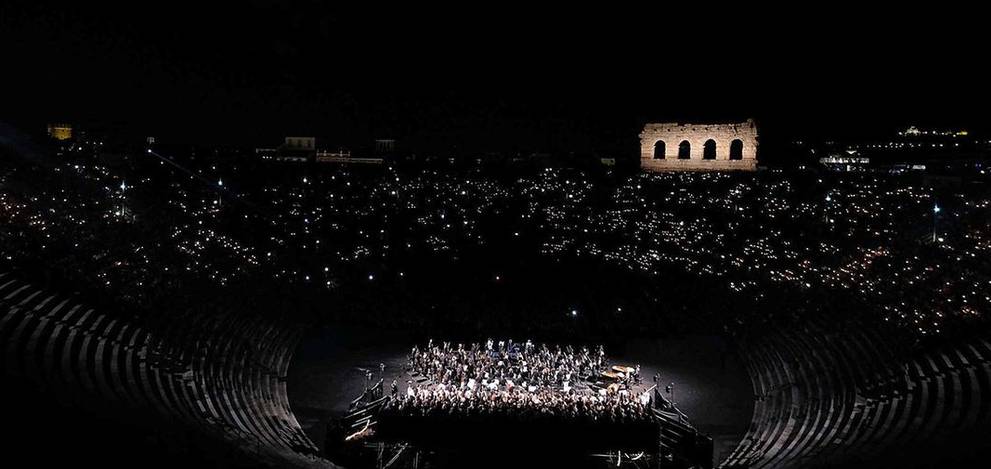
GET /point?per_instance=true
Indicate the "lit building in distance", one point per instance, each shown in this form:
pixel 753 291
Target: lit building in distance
pixel 60 131
pixel 384 146
pixel 845 163
pixel 699 147
pixel 300 144
pixel 344 156
pixel 297 149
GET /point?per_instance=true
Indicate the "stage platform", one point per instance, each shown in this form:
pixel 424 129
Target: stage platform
pixel 330 367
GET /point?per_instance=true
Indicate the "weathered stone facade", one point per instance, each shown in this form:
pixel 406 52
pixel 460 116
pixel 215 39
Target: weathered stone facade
pixel 699 147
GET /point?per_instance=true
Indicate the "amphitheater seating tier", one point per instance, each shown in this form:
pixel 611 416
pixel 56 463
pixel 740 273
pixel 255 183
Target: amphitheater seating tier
pixel 222 376
pixel 831 396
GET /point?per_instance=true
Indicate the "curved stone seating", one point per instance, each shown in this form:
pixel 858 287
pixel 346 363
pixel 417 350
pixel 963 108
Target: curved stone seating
pixel 828 397
pixel 222 375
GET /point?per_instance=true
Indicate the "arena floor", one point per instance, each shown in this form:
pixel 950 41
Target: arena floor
pixel 710 383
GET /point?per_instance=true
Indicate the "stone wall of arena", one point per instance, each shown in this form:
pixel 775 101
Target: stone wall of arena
pixel 696 135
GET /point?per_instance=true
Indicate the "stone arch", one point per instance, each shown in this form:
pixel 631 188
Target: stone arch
pixel 690 146
pixel 736 149
pixel 660 149
pixel 709 150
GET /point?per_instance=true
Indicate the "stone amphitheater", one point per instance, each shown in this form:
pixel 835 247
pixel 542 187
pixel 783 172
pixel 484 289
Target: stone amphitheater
pixel 823 395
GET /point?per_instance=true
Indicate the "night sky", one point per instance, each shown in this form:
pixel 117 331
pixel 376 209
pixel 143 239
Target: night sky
pixel 486 77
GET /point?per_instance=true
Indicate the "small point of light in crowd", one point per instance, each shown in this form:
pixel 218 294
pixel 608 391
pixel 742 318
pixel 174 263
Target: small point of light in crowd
pixel 574 312
pixel 936 209
pixel 371 277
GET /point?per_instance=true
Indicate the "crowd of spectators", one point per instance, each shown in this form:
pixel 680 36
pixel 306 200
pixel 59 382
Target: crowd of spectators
pixel 642 253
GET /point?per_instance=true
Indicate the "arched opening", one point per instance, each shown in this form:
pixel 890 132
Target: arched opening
pixel 684 150
pixel 659 149
pixel 736 150
pixel 709 150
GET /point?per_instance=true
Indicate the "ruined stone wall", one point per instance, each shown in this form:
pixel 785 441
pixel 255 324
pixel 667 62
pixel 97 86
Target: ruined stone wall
pixel 723 135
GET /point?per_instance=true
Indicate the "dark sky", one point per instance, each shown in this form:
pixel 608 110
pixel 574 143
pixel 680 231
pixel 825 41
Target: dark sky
pixel 490 76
